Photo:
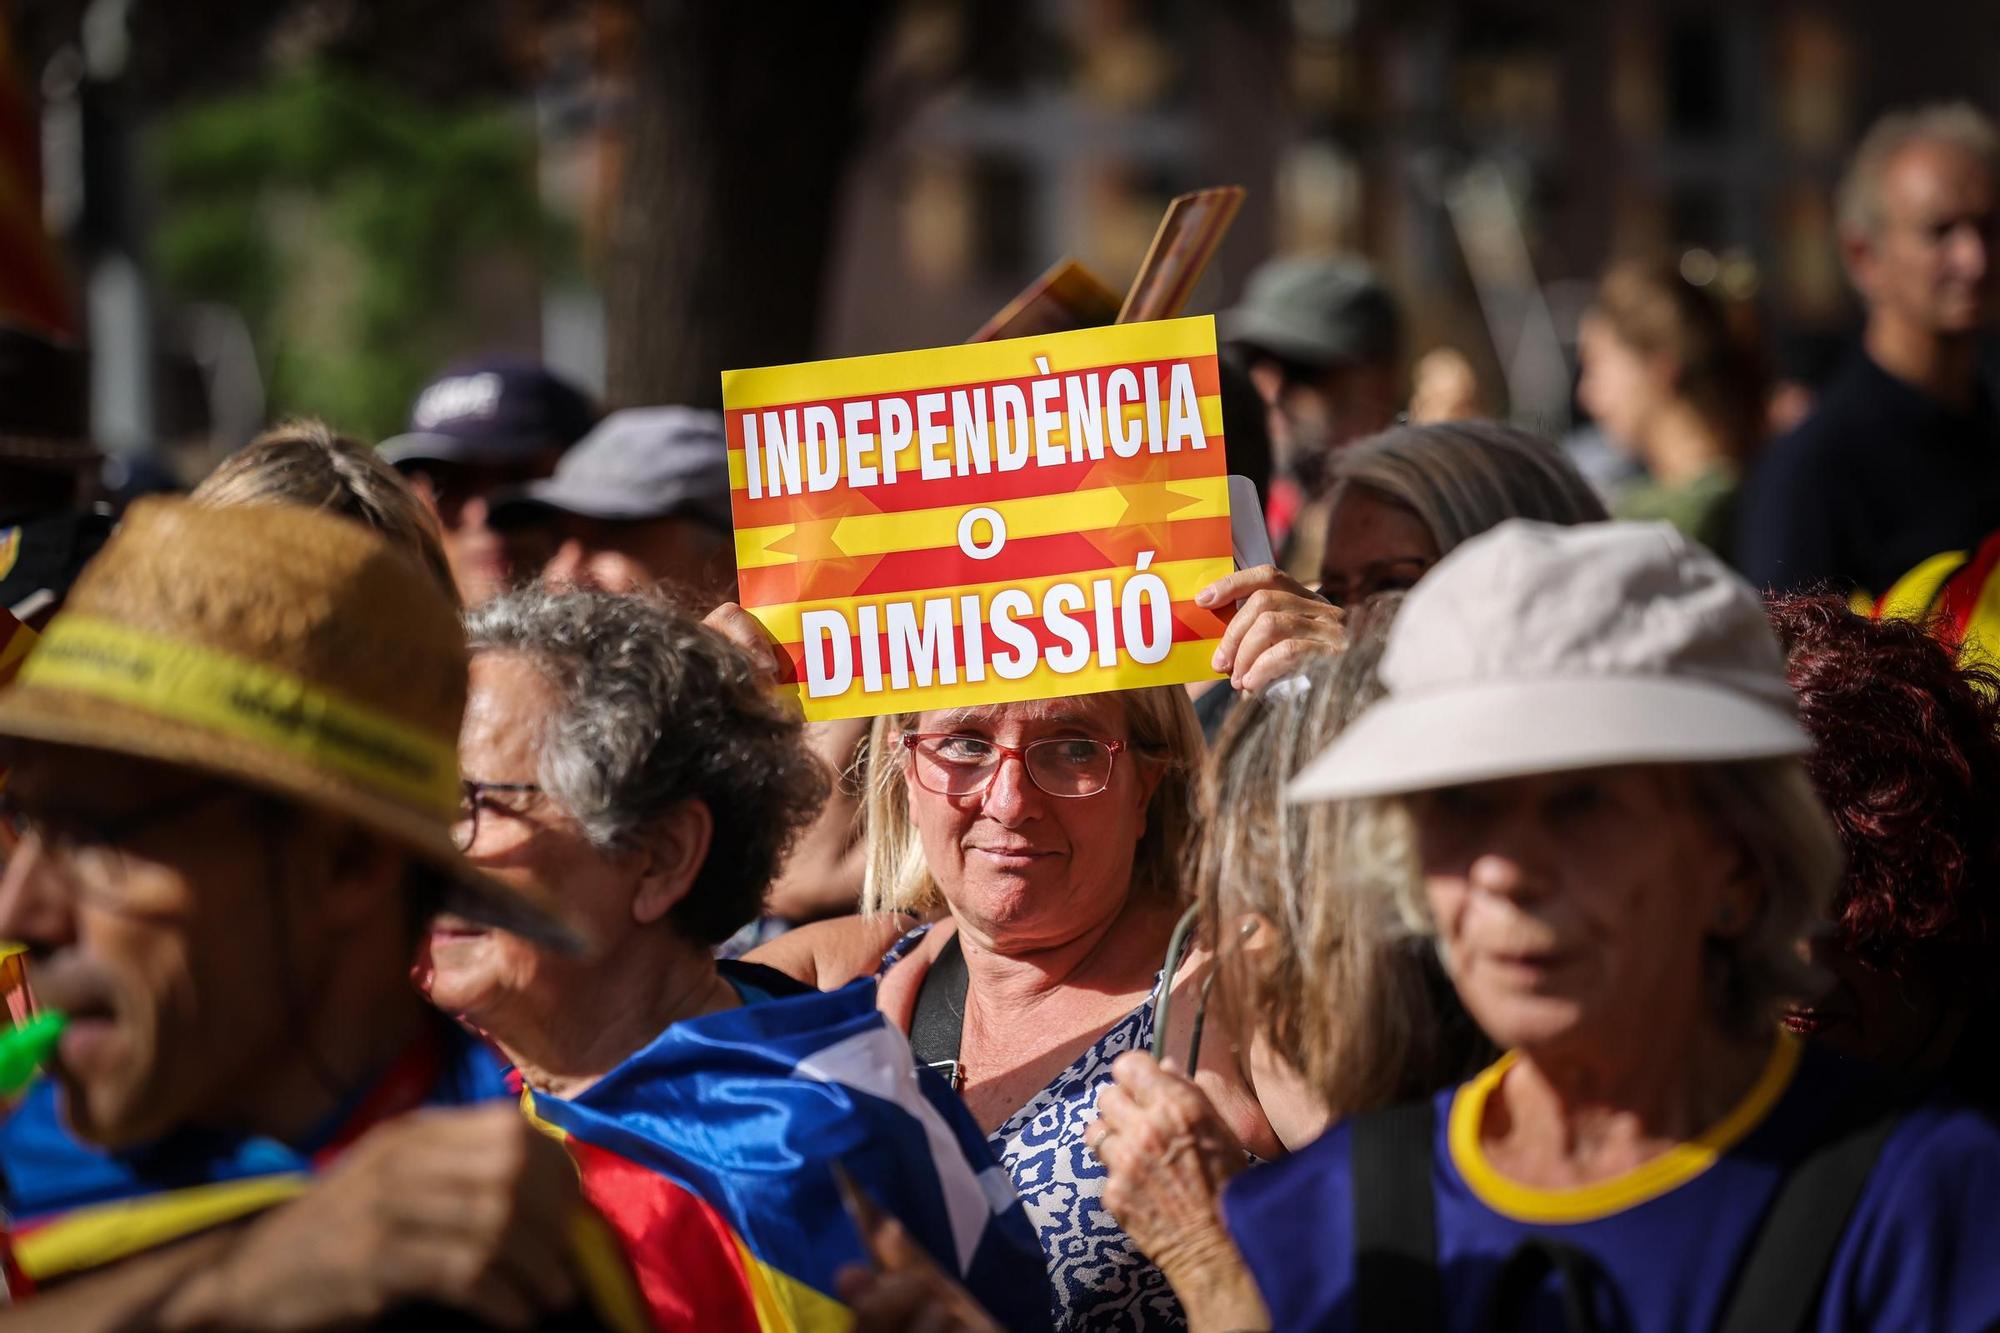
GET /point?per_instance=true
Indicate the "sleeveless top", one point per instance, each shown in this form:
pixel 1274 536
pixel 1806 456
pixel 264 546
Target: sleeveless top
pixel 1098 1278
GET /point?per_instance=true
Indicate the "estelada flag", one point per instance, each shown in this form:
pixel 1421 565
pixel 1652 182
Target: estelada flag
pixel 710 1151
pixel 1956 596
pixel 69 1209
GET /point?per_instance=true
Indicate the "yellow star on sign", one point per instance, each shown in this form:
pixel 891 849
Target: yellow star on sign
pixel 1150 505
pixel 824 568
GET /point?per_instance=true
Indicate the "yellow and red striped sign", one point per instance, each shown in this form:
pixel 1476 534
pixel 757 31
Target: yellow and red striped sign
pixel 984 523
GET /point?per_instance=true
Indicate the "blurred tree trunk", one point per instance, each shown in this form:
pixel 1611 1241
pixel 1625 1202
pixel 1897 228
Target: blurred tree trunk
pixel 742 120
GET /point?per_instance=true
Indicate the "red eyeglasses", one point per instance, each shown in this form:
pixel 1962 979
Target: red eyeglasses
pixel 1065 766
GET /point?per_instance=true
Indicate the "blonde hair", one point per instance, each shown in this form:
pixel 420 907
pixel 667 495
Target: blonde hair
pixel 305 462
pixel 1767 806
pixel 1162 730
pixel 1360 1010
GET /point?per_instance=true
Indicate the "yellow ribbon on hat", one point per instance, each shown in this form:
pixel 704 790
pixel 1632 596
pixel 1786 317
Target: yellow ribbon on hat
pixel 283 712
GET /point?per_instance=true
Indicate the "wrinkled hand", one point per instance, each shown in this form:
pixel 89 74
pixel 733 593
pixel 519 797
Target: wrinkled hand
pixel 747 632
pixel 1169 1155
pixel 1277 625
pixel 905 1292
pixel 468 1208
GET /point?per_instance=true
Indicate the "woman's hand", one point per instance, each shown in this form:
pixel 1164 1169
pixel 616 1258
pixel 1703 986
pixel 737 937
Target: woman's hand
pixel 1278 622
pixel 1169 1155
pixel 747 632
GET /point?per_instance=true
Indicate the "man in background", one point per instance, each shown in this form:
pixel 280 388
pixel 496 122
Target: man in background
pixel 1322 339
pixel 474 430
pixel 642 500
pixel 1900 459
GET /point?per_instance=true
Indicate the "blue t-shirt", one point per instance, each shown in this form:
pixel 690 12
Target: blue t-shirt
pixel 66 1207
pixel 1921 1252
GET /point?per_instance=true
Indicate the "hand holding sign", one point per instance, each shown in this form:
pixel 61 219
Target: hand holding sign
pixel 1278 623
pixel 980 524
pixel 744 630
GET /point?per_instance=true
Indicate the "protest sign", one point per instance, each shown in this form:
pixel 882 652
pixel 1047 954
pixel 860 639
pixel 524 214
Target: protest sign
pixel 978 524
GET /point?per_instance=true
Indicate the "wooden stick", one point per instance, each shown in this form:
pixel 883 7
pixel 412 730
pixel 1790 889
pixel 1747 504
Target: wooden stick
pixel 1189 234
pixel 1068 296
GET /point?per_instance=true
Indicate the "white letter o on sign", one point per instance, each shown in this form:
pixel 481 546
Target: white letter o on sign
pixel 996 533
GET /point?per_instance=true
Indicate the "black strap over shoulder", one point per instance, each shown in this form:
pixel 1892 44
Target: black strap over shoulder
pixel 1396 1282
pixel 938 1025
pixel 1778 1288
pixel 1521 1279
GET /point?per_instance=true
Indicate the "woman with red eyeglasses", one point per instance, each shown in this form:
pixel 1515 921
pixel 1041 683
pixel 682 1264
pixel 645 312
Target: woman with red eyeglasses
pixel 1042 844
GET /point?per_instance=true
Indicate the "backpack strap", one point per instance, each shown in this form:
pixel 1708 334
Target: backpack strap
pixel 938 1025
pixel 1778 1288
pixel 1396 1280
pixel 1521 1278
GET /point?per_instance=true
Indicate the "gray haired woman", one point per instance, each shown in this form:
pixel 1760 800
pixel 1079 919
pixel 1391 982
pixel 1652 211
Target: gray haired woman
pixel 1401 501
pixel 1589 742
pixel 628 761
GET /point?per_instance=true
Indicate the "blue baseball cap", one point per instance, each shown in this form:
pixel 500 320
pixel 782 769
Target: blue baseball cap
pixel 493 411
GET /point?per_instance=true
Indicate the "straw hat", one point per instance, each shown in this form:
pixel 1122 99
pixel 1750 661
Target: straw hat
pixel 291 650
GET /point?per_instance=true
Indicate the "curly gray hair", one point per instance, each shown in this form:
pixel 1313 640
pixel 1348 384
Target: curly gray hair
pixel 656 709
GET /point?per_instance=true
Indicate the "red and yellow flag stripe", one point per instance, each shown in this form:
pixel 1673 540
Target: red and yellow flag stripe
pixel 693 1271
pixel 33 289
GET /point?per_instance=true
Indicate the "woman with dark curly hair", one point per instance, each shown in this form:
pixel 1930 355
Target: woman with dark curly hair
pixel 1906 758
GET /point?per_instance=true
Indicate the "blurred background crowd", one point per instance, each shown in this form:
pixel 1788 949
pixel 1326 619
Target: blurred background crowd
pixel 312 206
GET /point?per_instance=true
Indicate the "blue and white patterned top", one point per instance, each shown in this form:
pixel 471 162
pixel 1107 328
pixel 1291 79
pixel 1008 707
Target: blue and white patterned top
pixel 1100 1280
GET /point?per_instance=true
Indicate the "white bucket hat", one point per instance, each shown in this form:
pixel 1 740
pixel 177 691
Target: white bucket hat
pixel 1542 649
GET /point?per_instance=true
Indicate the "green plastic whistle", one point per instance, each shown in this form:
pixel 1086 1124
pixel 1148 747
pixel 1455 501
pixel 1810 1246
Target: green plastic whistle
pixel 23 1048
